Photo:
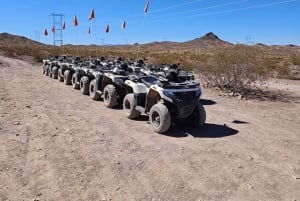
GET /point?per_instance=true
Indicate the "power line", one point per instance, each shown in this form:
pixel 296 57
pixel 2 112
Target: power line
pixel 201 9
pixel 227 11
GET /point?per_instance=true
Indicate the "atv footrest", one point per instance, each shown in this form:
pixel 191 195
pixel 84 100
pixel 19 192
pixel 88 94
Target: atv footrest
pixel 140 109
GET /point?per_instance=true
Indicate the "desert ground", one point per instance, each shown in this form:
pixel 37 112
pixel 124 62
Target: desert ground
pixel 56 144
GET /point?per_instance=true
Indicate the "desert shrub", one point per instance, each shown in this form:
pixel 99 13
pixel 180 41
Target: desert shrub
pixel 235 68
pixel 296 59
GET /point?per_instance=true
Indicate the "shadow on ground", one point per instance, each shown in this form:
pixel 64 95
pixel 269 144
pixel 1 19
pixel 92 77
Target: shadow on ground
pixel 207 102
pixel 263 95
pixel 207 131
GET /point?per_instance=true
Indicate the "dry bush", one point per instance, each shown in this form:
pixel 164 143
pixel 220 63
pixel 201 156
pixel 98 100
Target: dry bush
pixel 235 69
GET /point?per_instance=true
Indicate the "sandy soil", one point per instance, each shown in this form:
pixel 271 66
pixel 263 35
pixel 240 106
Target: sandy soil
pixel 56 144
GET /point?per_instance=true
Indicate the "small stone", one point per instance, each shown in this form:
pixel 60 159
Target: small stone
pixel 17 134
pixel 16 123
pixel 117 188
pixel 118 163
pixel 240 97
pixel 296 177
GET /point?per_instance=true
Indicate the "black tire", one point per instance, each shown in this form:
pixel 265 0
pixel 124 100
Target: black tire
pixel 84 85
pixel 60 75
pixel 129 107
pixel 54 72
pixel 93 93
pixel 46 70
pixel 198 116
pixel 110 96
pixel 75 85
pixel 68 77
pixel 160 118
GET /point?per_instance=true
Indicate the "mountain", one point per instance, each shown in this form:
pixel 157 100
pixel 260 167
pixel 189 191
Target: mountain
pixel 7 39
pixel 206 43
pixel 209 42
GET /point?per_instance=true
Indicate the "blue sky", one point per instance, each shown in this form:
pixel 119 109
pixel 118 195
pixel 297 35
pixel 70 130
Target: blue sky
pixel 237 21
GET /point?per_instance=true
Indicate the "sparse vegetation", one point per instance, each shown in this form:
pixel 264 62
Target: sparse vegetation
pixel 235 69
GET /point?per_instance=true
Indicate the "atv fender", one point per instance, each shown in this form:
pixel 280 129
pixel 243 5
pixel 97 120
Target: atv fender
pixel 152 98
pixel 106 81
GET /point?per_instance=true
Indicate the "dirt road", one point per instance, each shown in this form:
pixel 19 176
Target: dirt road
pixel 56 144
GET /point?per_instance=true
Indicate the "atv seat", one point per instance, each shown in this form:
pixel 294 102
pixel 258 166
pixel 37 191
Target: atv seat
pixel 148 81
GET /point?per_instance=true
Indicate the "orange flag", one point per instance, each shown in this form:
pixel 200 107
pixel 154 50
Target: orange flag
pixel 123 25
pixel 75 22
pixel 45 32
pixel 53 29
pixel 64 26
pixel 107 29
pixel 146 7
pixel 92 15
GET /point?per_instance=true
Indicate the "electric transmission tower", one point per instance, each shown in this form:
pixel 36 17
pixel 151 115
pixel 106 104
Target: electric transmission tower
pixel 57 30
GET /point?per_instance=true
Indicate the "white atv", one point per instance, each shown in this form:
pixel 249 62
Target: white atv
pixel 164 101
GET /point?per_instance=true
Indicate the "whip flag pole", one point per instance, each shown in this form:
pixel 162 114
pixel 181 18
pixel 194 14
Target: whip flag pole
pixel 92 17
pixel 146 12
pixel 75 23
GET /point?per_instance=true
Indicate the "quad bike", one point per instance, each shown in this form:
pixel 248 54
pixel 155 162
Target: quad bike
pixel 67 69
pixel 99 80
pixel 164 100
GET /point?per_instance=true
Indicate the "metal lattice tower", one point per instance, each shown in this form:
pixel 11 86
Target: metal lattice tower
pixel 58 33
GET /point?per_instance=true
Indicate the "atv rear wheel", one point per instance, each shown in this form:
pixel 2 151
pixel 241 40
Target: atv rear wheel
pixel 60 75
pixel 198 116
pixel 84 85
pixel 110 96
pixel 93 93
pixel 160 118
pixel 75 85
pixel 68 77
pixel 129 107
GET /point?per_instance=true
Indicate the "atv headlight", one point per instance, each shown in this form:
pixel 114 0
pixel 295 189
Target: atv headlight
pixel 198 92
pixel 169 94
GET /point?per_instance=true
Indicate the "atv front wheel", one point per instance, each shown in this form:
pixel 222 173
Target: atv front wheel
pixel 110 96
pixel 68 77
pixel 60 75
pixel 129 107
pixel 54 72
pixel 198 116
pixel 47 70
pixel 84 85
pixel 75 85
pixel 93 93
pixel 160 118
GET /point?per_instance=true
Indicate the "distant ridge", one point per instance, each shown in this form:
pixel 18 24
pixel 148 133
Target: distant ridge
pixel 206 43
pixel 15 40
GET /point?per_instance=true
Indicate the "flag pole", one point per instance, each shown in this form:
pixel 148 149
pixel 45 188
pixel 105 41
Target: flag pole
pixel 96 37
pixel 143 23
